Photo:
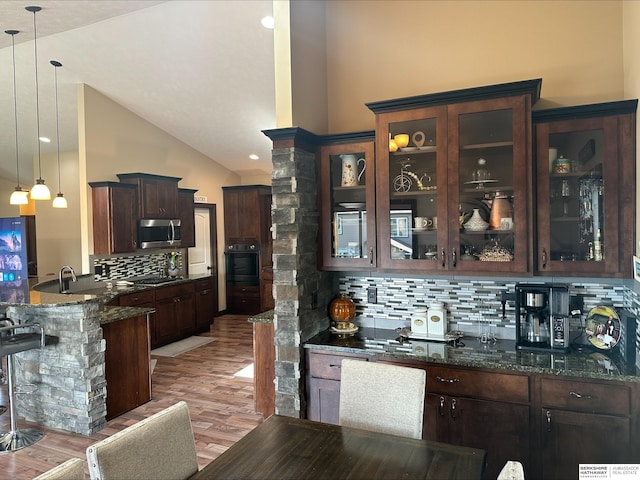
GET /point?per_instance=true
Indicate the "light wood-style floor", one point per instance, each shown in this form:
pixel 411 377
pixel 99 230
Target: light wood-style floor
pixel 220 405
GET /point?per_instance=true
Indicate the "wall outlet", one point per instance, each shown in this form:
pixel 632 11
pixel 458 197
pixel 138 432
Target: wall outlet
pixel 372 295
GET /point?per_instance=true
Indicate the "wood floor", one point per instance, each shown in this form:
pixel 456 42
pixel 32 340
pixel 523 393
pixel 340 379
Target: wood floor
pixel 220 405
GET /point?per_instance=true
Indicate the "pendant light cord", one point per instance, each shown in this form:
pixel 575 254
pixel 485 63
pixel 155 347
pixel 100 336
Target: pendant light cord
pixel 55 71
pixel 15 100
pixel 35 54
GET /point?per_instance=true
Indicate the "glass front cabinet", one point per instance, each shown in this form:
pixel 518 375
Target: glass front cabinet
pixel 453 180
pixel 347 200
pixel 586 189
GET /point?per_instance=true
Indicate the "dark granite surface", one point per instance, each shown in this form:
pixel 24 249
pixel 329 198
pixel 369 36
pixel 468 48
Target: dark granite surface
pixel 264 317
pixel 95 292
pixel 470 352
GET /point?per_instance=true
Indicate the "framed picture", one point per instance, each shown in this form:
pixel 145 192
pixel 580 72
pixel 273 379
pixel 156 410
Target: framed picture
pixel 636 268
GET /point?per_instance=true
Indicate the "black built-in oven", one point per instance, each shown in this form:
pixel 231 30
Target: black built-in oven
pixel 242 262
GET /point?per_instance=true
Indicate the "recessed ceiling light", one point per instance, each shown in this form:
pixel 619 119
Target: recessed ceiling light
pixel 45 139
pixel 268 22
pixel 253 156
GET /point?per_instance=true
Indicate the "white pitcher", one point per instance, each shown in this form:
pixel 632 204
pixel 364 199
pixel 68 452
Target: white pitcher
pixel 350 176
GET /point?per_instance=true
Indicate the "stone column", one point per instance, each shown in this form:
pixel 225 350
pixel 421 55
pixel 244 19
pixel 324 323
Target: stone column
pixel 301 291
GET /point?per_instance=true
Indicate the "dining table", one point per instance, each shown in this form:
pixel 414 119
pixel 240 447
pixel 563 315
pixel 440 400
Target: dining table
pixel 292 448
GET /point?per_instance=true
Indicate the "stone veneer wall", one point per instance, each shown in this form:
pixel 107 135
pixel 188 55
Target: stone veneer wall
pixel 69 377
pixel 302 293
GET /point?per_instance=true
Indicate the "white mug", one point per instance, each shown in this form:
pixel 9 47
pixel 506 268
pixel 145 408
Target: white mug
pixel 422 223
pixel 350 176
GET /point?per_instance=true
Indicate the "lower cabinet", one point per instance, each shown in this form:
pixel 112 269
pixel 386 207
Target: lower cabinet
pixel 127 361
pixel 175 313
pixel 584 422
pixel 550 424
pixel 206 298
pixel 264 357
pixel 243 299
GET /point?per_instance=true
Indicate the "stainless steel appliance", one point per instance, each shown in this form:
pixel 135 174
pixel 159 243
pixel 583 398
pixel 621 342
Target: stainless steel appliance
pixel 242 263
pixel 542 316
pixel 158 233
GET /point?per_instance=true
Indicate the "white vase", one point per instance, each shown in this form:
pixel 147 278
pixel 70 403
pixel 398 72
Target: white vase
pixel 476 223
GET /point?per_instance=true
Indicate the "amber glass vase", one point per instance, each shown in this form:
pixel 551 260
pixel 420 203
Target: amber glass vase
pixel 342 310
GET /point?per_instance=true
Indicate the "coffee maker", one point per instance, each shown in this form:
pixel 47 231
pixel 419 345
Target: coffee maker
pixel 542 317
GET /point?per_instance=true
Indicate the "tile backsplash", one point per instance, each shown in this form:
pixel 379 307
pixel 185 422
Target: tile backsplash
pixel 471 303
pixel 130 266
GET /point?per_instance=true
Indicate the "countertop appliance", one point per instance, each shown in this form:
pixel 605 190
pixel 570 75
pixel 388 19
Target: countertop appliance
pixel 158 233
pixel 542 316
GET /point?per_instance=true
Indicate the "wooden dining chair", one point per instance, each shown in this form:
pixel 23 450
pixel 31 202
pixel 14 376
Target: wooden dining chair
pixel 161 447
pixel 72 469
pixel 382 398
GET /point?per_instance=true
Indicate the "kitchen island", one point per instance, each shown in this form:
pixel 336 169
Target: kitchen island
pixel 550 411
pixel 70 377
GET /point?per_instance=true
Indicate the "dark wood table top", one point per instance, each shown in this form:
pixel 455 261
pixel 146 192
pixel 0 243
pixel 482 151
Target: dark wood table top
pixel 291 448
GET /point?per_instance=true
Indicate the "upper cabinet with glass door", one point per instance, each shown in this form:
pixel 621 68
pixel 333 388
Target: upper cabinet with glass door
pixel 347 202
pixel 586 189
pixel 455 197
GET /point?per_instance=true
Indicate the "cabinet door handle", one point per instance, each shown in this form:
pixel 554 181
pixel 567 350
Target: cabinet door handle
pixel 441 407
pixel 548 420
pixel 453 408
pixel 335 365
pixel 544 258
pixel 444 257
pixel 447 380
pixel 578 395
pixel 455 260
pixel 371 256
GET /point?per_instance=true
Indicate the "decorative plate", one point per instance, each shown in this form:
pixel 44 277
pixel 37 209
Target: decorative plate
pixel 409 149
pixel 602 327
pixel 351 328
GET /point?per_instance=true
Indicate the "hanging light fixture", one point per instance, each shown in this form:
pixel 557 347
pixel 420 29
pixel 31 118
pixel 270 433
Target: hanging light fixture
pixel 19 196
pixel 59 201
pixel 39 191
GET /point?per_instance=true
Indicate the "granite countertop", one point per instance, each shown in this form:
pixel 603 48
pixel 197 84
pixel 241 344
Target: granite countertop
pixel 470 352
pixel 115 314
pixel 264 317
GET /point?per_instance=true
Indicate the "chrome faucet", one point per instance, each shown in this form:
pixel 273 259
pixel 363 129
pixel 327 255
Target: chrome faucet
pixel 64 282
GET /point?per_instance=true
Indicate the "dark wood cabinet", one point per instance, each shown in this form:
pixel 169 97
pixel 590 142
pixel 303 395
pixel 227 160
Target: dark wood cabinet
pixel 157 194
pixel 175 313
pixel 323 385
pixel 115 209
pixel 482 410
pixel 206 302
pixel 463 153
pixel 551 424
pixel 584 422
pixel 584 203
pixel 247 220
pixel 347 213
pixel 127 364
pixel 186 214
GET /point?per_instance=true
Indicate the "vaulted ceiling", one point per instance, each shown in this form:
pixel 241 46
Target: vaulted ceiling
pixel 203 71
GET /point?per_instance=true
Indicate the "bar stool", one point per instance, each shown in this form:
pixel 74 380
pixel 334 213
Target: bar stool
pixel 10 344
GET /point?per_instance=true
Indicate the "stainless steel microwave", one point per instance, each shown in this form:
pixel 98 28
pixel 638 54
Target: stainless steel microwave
pixel 158 233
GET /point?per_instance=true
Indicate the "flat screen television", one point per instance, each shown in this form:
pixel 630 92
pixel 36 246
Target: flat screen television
pixel 14 283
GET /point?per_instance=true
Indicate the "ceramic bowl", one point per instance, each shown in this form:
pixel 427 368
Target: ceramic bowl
pixel 402 140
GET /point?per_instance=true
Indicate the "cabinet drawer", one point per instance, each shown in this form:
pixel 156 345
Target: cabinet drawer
pixel 137 298
pixel 174 290
pixel 492 386
pixel 586 396
pixel 327 366
pixel 203 284
pixel 244 291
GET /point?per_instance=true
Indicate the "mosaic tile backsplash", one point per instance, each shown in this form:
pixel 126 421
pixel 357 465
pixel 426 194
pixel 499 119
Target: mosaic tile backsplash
pixel 473 305
pixel 131 266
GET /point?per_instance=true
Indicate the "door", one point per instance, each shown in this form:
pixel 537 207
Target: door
pixel 200 256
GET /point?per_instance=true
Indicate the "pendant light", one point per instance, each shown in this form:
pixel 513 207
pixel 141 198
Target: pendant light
pixel 39 191
pixel 59 201
pixel 19 196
